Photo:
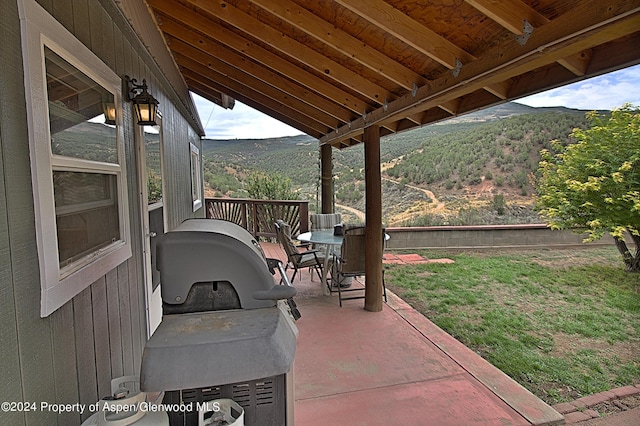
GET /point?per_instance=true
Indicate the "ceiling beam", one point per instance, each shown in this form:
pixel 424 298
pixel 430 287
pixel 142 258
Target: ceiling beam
pixel 584 27
pixel 219 98
pixel 342 42
pixel 404 124
pixel 294 49
pixel 200 88
pixel 578 63
pixel 249 97
pixel 206 65
pixel 511 14
pixel 217 54
pixel 476 101
pixel 411 32
pixel 450 106
pixel 434 114
pixel 500 89
pixel 252 52
pixel 556 75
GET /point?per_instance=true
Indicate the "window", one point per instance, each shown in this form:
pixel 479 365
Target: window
pixel 196 178
pixel 77 165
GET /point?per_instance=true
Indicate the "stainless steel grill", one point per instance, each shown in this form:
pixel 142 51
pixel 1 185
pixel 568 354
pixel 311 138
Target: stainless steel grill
pixel 227 324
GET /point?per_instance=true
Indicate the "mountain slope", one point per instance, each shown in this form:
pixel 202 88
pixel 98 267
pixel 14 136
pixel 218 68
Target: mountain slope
pixel 464 161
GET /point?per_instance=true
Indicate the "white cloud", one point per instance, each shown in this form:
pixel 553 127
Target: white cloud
pixel 608 91
pixel 241 122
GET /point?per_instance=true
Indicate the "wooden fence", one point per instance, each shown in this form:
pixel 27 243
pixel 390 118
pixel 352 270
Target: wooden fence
pixel 258 216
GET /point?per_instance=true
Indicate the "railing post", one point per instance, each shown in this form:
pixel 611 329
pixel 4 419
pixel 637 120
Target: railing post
pixel 257 216
pixel 254 218
pixel 304 217
pixel 243 209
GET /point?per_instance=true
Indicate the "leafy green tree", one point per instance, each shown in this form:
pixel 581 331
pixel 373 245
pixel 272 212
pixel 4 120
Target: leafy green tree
pixel 154 187
pixel 499 204
pixel 269 186
pixel 595 183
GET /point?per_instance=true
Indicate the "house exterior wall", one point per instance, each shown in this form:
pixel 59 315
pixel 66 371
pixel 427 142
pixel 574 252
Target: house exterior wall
pixel 71 355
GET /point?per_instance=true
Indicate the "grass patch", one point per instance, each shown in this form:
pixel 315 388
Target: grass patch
pixel 563 323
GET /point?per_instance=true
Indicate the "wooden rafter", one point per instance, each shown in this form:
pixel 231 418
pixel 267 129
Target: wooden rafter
pixel 500 89
pixel 450 106
pixel 342 42
pixel 282 114
pixel 252 52
pixel 294 49
pixel 196 72
pixel 578 30
pixel 511 14
pixel 403 27
pixel 577 63
pixel 227 61
pixel 330 68
pixel 216 96
pixel 188 56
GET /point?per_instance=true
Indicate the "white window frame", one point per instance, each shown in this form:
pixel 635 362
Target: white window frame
pixel 196 177
pixel 58 286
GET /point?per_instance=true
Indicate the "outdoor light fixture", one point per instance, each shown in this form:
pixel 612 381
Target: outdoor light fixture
pixel 145 106
pixel 109 110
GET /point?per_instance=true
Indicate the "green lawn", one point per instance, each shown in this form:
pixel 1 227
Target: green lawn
pixel 563 323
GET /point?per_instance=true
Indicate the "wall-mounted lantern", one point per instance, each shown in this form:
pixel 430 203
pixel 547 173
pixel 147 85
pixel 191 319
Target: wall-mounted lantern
pixel 109 110
pixel 145 106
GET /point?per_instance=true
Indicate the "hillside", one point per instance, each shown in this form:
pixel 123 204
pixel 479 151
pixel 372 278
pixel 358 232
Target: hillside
pixel 472 169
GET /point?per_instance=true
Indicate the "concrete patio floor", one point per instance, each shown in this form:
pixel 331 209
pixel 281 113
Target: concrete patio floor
pixel 395 367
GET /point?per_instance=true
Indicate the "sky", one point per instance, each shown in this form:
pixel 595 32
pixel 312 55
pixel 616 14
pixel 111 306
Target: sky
pixel 607 92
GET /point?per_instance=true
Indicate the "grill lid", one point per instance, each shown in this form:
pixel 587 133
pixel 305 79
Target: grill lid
pixel 211 250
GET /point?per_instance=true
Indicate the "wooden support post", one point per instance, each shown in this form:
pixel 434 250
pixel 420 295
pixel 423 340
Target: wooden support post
pixel 373 228
pixel 326 166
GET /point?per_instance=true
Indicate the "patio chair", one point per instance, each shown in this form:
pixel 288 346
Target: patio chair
pixel 351 263
pixel 295 258
pixel 324 221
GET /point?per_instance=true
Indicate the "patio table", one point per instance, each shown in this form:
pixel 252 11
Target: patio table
pixel 328 241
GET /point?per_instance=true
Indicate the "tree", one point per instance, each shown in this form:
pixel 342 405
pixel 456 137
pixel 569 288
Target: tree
pixel 273 186
pixel 595 183
pixel 499 204
pixel 154 187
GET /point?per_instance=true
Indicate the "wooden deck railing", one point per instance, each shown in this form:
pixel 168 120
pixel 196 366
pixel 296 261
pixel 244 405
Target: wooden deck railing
pixel 258 216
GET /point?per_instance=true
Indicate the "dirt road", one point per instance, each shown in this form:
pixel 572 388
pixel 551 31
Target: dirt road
pixel 359 213
pixel 438 205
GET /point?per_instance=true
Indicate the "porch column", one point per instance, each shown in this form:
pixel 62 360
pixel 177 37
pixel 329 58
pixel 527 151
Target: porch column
pixel 373 227
pixel 326 167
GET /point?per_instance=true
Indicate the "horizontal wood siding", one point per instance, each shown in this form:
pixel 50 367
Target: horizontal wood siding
pixel 72 355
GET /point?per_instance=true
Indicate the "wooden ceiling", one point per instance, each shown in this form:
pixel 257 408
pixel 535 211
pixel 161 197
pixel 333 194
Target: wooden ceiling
pixel 330 68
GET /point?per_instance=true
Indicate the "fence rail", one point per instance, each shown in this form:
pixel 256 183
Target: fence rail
pixel 258 216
